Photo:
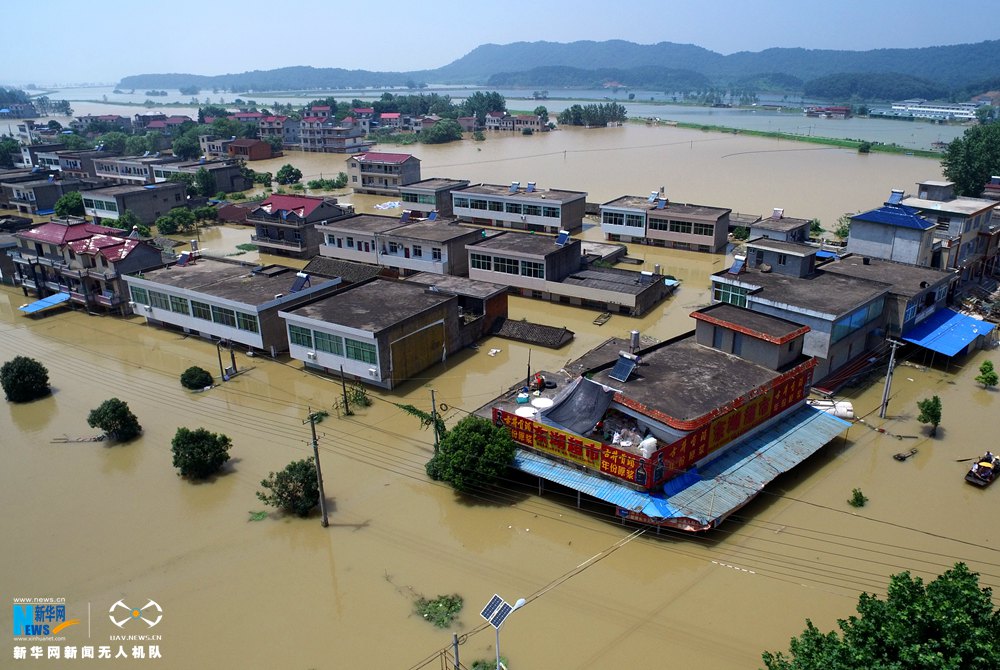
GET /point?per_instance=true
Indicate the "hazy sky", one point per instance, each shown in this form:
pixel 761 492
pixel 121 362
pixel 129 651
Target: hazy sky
pixel 68 41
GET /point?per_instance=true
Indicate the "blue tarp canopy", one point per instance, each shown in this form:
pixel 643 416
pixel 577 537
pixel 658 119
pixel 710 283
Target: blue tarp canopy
pixel 947 332
pixel 717 488
pixel 44 303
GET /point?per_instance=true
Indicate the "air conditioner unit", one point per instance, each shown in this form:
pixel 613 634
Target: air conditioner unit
pixel 149 308
pixel 311 354
pixel 131 304
pixel 372 372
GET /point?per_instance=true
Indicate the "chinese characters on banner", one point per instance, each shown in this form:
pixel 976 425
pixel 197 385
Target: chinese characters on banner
pixel 669 460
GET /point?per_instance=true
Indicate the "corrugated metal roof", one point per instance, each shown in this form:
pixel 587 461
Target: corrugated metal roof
pixel 900 216
pixel 947 332
pixel 726 484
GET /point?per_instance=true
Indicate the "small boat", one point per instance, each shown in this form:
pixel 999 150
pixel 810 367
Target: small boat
pixel 602 319
pixel 982 473
pixel 842 409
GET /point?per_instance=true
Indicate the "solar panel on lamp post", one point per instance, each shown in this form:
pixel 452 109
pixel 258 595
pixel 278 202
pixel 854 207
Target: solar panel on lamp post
pixel 496 612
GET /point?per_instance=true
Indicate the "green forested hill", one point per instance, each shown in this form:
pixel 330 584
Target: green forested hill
pixel 657 66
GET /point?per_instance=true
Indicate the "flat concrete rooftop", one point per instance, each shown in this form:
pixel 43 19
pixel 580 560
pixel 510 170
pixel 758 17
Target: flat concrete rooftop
pixel 823 292
pixel 963 206
pixel 612 279
pixel 540 194
pixel 782 225
pixel 522 243
pixel 906 280
pixel 772 326
pixel 435 184
pixel 794 248
pixel 462 286
pixel 228 281
pixel 433 231
pixel 374 306
pixel 686 380
pixel 366 223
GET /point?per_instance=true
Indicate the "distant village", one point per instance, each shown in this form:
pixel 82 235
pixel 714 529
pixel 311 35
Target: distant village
pixel 383 298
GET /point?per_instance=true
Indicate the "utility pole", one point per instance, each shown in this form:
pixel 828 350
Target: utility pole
pixel 888 378
pixel 343 386
pixel 319 472
pixel 434 416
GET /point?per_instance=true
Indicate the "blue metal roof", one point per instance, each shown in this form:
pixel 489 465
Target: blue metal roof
pixel 44 303
pixel 947 332
pixel 900 216
pixel 724 485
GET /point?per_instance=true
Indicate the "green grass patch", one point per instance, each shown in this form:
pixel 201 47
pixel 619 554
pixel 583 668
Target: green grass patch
pixel 440 611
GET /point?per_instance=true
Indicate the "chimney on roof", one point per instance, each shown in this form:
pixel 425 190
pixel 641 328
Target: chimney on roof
pixel 777 213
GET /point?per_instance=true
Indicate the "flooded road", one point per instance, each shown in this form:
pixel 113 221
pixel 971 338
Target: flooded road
pixel 98 522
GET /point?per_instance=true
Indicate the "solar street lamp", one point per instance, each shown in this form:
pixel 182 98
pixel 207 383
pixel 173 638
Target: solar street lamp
pixel 496 612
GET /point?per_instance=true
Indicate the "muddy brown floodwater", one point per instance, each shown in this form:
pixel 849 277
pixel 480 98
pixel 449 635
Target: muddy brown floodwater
pixel 96 523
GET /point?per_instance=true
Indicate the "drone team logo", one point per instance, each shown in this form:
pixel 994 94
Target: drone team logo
pixel 146 613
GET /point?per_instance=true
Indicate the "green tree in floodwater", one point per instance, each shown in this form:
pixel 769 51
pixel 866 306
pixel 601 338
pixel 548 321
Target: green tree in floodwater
pixel 947 624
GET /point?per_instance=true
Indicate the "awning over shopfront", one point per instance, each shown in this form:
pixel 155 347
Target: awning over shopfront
pixel 722 485
pixel 947 332
pixel 44 303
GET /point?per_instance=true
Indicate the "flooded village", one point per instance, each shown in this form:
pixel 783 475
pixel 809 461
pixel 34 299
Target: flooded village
pixel 672 482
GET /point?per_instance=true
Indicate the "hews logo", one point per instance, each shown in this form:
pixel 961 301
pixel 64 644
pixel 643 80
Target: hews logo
pixel 40 620
pixel 141 613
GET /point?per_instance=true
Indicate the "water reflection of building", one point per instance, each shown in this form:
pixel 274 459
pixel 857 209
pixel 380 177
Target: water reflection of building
pixel 654 431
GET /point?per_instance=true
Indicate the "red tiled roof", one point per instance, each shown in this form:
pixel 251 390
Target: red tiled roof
pixel 246 143
pixel 157 124
pixel 111 247
pixel 320 108
pixel 210 119
pixel 313 119
pixel 363 110
pixel 246 115
pixel 275 119
pixel 57 233
pixel 302 205
pixel 390 115
pixel 177 119
pixel 348 119
pixel 378 157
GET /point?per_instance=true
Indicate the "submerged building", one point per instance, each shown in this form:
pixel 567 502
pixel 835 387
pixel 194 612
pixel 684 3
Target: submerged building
pixel 681 434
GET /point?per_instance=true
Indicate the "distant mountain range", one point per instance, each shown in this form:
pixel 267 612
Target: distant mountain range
pixel 665 66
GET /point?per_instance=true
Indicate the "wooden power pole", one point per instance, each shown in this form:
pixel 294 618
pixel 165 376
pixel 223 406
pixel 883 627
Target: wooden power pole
pixel 319 472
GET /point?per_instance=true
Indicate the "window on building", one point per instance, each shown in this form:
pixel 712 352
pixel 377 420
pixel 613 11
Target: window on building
pixel 506 265
pixel 550 212
pixel 734 295
pixel 613 218
pixel 635 220
pixel 496 206
pixel 350 242
pixel 680 227
pixel 139 295
pixel 533 269
pixel 408 197
pixel 331 344
pixel 418 251
pixel 911 311
pixel 476 203
pixel 159 300
pixel 659 224
pixel 703 229
pixel 247 322
pixel 360 351
pixel 179 305
pixel 299 336
pixel 512 208
pixel 393 248
pixel 201 310
pixel 782 259
pixel 531 210
pixel 436 253
pixel 461 202
pixel 224 316
pixel 941 292
pixel 481 262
